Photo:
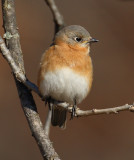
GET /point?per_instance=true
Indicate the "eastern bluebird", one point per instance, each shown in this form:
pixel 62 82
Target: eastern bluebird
pixel 66 70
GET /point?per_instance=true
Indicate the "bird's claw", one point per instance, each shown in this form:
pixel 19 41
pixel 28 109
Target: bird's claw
pixel 73 113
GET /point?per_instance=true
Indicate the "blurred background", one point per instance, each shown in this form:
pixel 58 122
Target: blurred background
pixel 103 137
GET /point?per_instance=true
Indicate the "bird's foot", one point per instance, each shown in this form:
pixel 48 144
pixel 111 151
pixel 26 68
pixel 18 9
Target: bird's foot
pixel 73 113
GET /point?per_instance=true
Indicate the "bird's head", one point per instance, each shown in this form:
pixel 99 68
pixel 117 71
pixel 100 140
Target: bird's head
pixel 74 36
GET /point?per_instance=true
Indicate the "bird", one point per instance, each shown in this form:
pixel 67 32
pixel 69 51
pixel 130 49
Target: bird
pixel 66 71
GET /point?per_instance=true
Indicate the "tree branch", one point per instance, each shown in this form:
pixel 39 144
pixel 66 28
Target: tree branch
pixel 7 55
pixel 58 18
pixel 15 60
pixel 11 33
pixel 35 124
pixel 48 122
pixel 114 110
pixel 15 69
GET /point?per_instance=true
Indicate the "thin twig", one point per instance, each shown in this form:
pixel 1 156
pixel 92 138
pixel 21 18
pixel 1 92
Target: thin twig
pixel 58 18
pixel 114 110
pixel 48 122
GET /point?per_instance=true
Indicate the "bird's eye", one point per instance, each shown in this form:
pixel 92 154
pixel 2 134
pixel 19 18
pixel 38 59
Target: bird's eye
pixel 78 39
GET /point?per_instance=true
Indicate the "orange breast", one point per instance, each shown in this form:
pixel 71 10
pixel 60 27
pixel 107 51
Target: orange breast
pixel 76 58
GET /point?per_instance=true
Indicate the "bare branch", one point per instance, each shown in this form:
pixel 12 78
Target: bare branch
pixel 48 122
pixel 35 124
pixel 11 33
pixel 80 113
pixel 58 18
pixel 7 55
pixel 15 69
pixel 15 59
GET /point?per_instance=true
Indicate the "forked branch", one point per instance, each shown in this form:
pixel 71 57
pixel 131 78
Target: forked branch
pixel 14 57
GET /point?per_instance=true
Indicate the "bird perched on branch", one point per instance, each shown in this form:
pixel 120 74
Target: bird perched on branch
pixel 66 70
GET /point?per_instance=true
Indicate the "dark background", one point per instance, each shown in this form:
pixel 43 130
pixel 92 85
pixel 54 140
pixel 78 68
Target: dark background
pixel 103 137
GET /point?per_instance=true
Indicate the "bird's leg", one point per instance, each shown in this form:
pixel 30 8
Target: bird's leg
pixel 73 110
pixel 48 100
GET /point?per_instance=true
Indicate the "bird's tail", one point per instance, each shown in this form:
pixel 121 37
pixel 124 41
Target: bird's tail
pixel 59 115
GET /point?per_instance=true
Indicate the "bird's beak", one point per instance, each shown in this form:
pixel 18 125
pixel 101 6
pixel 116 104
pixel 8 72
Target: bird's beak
pixel 92 40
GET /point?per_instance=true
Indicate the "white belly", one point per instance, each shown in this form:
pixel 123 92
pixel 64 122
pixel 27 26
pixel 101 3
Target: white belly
pixel 65 85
